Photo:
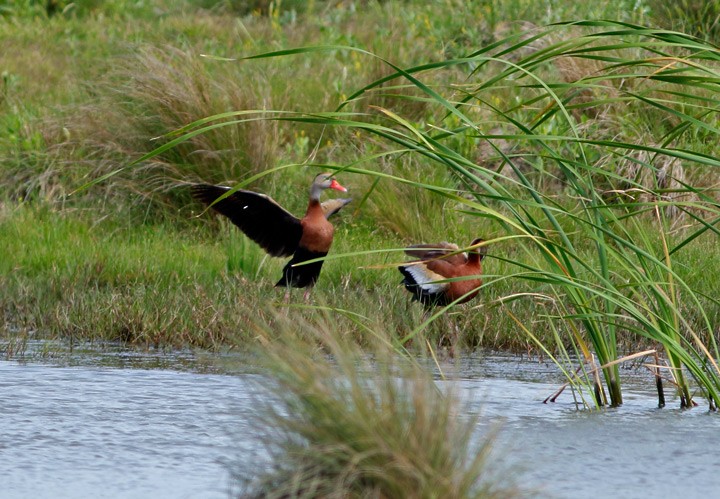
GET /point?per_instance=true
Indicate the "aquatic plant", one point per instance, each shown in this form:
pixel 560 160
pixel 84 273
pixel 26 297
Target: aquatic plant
pixel 351 422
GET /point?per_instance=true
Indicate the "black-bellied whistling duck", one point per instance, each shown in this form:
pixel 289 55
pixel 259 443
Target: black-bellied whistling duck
pixel 278 231
pixel 442 262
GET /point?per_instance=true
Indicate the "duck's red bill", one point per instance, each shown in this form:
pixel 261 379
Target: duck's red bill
pixel 334 184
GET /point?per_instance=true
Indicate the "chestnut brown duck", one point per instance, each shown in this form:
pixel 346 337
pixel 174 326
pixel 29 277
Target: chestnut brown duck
pixel 278 231
pixel 441 274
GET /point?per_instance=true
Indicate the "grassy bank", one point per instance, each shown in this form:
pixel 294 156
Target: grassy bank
pixel 73 276
pixel 158 285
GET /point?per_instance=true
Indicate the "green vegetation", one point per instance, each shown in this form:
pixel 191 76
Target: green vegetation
pixel 345 426
pixel 585 152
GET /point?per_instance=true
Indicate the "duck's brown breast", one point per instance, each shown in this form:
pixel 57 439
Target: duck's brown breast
pixel 317 232
pixel 467 288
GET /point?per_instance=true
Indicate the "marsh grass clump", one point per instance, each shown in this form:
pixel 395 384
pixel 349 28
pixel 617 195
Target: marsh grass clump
pixel 154 92
pixel 351 423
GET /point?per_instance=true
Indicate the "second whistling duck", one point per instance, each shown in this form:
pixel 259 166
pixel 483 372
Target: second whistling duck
pixel 429 277
pixel 278 231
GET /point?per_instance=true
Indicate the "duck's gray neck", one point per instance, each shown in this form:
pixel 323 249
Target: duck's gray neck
pixel 315 191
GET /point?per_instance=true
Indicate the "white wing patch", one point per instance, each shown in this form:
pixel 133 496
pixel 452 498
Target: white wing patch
pixel 426 279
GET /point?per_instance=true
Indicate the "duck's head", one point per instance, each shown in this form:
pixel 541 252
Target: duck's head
pixel 324 181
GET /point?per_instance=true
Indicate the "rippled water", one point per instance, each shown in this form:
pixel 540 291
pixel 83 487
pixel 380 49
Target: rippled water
pixel 103 432
pixel 163 426
pixel 635 451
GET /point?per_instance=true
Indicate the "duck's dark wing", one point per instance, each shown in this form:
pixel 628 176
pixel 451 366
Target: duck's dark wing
pixel 434 251
pixel 332 206
pixel 264 221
